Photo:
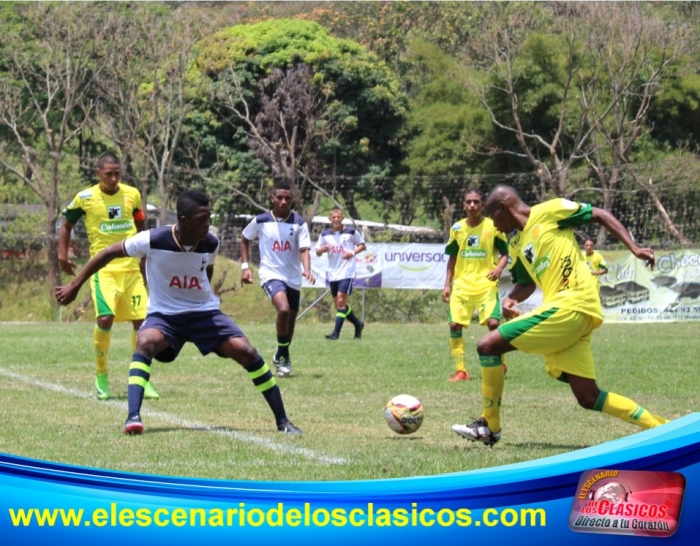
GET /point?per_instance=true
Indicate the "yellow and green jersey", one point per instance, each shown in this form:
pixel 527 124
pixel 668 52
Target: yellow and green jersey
pixel 108 220
pixel 477 250
pixel 546 252
pixel 595 262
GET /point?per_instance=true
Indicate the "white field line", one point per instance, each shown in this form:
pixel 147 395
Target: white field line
pixel 182 423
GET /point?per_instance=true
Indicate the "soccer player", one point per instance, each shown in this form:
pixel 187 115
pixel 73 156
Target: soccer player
pixel 595 261
pixel 182 305
pixel 112 211
pixel 544 253
pixel 341 244
pixel 284 242
pixel 473 270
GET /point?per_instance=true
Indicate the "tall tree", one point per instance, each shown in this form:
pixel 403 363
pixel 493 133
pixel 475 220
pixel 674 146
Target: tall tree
pixel 52 56
pixel 349 107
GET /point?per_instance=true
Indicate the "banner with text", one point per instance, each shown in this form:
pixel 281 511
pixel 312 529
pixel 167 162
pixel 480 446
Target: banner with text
pixel 629 292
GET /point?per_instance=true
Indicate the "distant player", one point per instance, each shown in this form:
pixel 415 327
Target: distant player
pixel 341 244
pixel 182 306
pixel 595 261
pixel 112 212
pixel 478 254
pixel 284 244
pixel 545 254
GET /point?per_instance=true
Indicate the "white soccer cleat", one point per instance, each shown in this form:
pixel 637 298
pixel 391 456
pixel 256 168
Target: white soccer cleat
pixel 478 431
pixel 283 365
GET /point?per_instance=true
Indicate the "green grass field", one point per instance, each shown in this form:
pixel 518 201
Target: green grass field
pixel 211 422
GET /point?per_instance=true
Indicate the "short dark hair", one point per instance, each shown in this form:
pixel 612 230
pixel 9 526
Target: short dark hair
pixel 473 190
pixel 107 159
pixel 189 201
pixel 281 185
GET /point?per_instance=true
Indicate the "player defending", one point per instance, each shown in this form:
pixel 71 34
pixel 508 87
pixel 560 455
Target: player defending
pixel 544 253
pixel 595 261
pixel 284 241
pixel 471 280
pixel 182 305
pixel 342 245
pixel 112 212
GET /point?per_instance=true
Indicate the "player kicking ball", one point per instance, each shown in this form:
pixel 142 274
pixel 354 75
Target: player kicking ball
pixel 182 305
pixel 544 253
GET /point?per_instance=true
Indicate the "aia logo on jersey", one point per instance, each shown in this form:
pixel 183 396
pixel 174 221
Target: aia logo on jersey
pixel 337 249
pixel 281 246
pixel 114 212
pixel 185 283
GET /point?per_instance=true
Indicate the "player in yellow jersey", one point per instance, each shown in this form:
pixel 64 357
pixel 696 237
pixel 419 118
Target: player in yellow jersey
pixel 112 212
pixel 471 279
pixel 595 261
pixel 545 254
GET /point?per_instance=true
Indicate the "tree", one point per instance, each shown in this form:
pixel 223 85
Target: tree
pixel 142 91
pixel 52 56
pixel 350 110
pixel 579 97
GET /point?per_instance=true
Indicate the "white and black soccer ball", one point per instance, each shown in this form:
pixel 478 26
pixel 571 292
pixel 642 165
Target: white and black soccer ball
pixel 404 414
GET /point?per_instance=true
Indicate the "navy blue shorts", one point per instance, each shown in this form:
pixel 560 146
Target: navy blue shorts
pixel 206 329
pixel 293 296
pixel 344 286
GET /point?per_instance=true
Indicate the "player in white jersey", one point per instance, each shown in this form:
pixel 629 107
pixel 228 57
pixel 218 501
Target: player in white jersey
pixel 342 244
pixel 182 306
pixel 284 241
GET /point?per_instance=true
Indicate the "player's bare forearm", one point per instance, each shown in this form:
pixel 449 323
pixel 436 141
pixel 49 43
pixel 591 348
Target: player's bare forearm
pixel 306 266
pixel 65 264
pixel 614 226
pixel 244 249
pixel 520 292
pixel 66 294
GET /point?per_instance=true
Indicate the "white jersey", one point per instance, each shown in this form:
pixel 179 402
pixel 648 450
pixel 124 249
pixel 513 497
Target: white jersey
pixel 340 242
pixel 280 245
pixel 177 277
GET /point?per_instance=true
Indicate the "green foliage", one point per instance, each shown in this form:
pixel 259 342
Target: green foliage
pixel 365 97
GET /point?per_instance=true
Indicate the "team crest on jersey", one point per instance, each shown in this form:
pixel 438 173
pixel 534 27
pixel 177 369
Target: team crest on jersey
pixel 115 212
pixel 529 253
pixel 473 240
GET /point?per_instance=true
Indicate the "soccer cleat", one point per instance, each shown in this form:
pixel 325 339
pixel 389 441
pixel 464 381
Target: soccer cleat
pixel 288 428
pixel 283 365
pixel 358 330
pixel 332 336
pixel 133 425
pixel 461 375
pixel 102 386
pixel 478 431
pixel 149 392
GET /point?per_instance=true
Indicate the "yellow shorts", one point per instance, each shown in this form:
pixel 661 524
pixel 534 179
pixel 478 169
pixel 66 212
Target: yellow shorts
pixel 119 293
pixel 562 336
pixel 462 307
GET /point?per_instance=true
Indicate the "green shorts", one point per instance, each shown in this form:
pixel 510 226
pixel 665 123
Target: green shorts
pixel 562 336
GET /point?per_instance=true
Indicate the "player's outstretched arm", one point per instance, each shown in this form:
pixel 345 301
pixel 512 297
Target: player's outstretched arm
pixel 66 294
pixel 66 265
pixel 614 226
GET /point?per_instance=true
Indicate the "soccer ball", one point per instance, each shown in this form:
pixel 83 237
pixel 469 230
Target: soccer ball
pixel 404 414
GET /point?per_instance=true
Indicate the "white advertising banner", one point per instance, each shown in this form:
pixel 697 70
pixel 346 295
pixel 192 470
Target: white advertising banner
pixel 630 292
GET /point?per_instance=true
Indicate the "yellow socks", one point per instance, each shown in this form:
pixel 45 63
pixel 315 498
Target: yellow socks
pixel 101 339
pixel 457 350
pixel 492 383
pixel 627 410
